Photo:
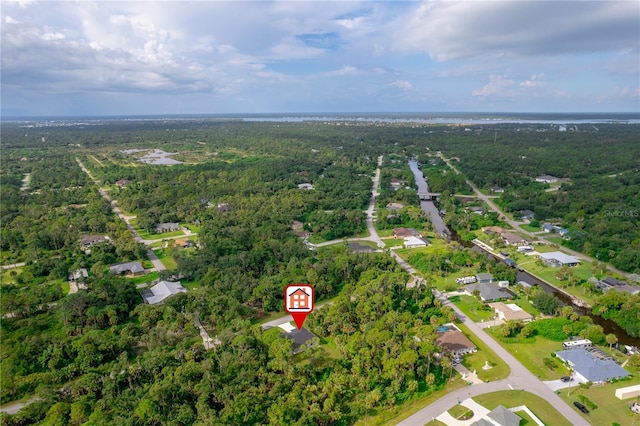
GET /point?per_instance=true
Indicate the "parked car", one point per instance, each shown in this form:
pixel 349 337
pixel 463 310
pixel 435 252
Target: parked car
pixel 581 407
pixel 566 378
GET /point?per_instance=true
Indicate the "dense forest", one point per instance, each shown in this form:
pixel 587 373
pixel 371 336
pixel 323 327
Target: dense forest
pixel 100 355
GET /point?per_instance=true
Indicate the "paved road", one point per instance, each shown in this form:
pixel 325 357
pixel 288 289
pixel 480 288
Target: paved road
pixel 14 265
pixel 16 406
pixel 277 322
pixel 516 225
pixel 520 378
pixel 159 266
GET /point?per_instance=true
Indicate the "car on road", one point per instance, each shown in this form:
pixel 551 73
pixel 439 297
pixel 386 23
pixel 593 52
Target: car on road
pixel 581 407
pixel 566 379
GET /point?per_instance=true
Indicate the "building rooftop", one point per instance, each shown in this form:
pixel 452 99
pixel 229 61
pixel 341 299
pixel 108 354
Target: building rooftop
pixel 454 341
pixel 590 367
pixel 161 291
pixel 511 311
pixel 559 257
pixel 489 291
pixel 132 267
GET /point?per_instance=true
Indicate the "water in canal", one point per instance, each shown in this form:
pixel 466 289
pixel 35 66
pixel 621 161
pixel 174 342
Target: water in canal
pixel 432 211
pixel 428 206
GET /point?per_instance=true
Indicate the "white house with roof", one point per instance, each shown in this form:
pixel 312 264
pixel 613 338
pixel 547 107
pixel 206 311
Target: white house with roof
pixel 415 242
pixel 162 291
pixel 558 259
pixel 546 179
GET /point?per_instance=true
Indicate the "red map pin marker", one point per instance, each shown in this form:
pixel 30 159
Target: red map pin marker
pixel 298 301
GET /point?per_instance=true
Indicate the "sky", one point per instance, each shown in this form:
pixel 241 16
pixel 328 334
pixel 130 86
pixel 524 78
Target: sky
pixel 175 57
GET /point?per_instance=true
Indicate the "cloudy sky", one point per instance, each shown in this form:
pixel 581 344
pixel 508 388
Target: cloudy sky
pixel 149 57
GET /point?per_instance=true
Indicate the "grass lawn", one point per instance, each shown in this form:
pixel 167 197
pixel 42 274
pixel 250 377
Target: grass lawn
pixel 530 228
pixel 392 242
pixel 460 412
pixel 66 287
pixel 478 359
pixel 472 307
pixel 168 261
pixel 547 273
pixel 554 240
pixel 191 285
pixel 531 353
pixel 609 408
pixel 526 306
pixel 8 277
pixel 382 233
pixel 540 407
pixel 395 414
pixel 144 278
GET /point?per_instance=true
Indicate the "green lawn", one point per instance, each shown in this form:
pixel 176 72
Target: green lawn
pixel 460 412
pixel 168 261
pixel 144 278
pixel 530 228
pixel 540 407
pixel 392 242
pixel 397 413
pixel 66 287
pixel 8 277
pixel 472 307
pixel 547 273
pixel 531 353
pixel 478 359
pixel 556 240
pixel 382 233
pixel 609 408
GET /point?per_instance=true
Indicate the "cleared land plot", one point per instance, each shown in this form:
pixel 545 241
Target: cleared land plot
pixel 532 352
pixel 609 408
pixel 472 307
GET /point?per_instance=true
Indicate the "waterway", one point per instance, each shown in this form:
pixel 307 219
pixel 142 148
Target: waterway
pixel 428 206
pixel 432 211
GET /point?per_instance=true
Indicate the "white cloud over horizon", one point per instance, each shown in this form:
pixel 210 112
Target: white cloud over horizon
pixel 59 58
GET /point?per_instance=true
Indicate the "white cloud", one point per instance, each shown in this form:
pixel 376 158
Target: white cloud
pixel 346 70
pixel 53 36
pixel 534 80
pixel 453 29
pixel 402 84
pixel 9 20
pixel 498 86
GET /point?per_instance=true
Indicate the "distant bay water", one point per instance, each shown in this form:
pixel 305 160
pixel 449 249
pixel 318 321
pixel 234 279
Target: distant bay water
pixel 422 118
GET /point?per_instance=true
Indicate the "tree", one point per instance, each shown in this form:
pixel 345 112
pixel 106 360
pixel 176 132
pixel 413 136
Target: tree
pixel 545 302
pixel 611 339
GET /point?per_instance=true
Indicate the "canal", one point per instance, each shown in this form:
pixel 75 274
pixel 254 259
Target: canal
pixel 431 210
pixel 428 207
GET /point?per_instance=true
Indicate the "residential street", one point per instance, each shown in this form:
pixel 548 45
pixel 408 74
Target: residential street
pixel 520 378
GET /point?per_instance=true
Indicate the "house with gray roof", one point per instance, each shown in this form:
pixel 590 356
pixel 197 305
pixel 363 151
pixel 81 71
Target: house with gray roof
pixel 504 417
pixel 356 247
pixel 127 268
pixel 167 227
pixel 490 292
pixel 484 277
pixel 589 368
pixel 558 259
pixel 162 291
